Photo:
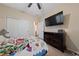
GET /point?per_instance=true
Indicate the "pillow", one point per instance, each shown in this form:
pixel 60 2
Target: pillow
pixel 3 39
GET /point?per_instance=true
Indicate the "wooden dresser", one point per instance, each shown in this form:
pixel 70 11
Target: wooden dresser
pixel 56 40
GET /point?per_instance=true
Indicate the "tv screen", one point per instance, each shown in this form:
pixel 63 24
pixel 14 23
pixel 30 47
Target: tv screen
pixel 56 19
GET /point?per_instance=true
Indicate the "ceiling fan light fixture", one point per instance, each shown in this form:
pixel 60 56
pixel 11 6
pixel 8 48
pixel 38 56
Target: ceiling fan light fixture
pixel 38 5
pixel 29 4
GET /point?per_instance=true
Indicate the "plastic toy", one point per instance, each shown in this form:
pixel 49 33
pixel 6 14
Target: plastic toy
pixel 29 48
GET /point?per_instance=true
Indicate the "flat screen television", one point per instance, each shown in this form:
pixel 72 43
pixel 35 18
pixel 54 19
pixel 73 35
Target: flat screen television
pixel 56 19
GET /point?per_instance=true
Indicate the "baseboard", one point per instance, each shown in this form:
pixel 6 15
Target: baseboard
pixel 77 52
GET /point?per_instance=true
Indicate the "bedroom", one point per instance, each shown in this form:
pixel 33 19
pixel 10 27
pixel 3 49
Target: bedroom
pixel 21 21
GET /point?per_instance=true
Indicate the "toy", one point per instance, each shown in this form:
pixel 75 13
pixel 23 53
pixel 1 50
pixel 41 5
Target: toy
pixel 19 41
pixel 37 44
pixel 2 51
pixel 29 48
pixel 10 49
pixel 21 47
pixel 26 40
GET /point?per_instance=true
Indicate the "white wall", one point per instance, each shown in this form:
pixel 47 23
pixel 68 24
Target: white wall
pixel 2 23
pixel 71 22
pixel 18 27
pixel 14 13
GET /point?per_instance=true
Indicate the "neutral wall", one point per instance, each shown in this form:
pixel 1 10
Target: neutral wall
pixel 71 23
pixel 14 13
pixel 2 23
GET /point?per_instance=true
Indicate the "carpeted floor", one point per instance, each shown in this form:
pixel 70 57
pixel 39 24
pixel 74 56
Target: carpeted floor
pixel 55 52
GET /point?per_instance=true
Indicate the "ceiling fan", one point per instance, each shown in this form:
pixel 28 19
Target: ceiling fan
pixel 38 5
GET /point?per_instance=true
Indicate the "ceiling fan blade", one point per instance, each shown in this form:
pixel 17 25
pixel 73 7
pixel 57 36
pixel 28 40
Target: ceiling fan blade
pixel 38 5
pixel 29 4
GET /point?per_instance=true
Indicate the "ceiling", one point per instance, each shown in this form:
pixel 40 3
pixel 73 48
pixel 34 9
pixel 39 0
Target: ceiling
pixel 33 10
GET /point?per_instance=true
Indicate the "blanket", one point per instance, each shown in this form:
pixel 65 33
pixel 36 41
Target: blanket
pixel 23 47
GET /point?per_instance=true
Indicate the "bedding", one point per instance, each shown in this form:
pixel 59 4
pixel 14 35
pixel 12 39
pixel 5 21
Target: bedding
pixel 23 46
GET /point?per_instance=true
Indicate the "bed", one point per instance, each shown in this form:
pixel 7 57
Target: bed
pixel 23 46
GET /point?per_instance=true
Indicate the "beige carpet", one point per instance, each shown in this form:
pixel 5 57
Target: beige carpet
pixel 54 52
